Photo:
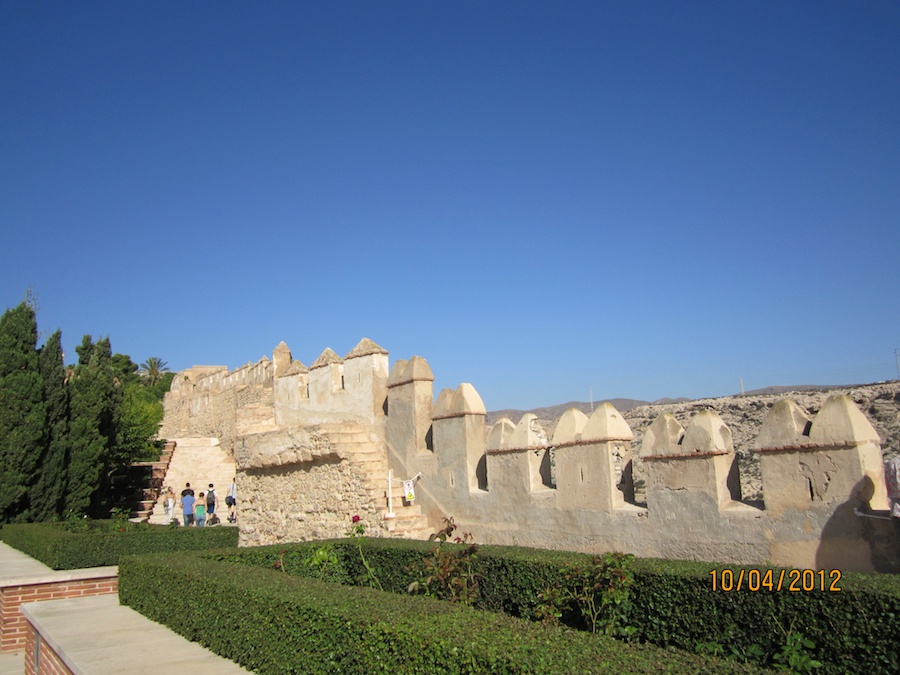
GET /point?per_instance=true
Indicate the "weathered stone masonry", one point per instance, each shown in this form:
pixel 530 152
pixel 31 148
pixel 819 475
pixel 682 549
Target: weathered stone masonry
pixel 313 447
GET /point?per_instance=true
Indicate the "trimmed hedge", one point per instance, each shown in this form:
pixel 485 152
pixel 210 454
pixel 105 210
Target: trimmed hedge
pixel 272 622
pixel 672 602
pixel 102 543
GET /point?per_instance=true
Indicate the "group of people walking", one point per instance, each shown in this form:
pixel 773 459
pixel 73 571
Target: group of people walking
pixel 200 510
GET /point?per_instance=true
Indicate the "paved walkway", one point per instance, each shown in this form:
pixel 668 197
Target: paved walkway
pixel 12 664
pixel 15 565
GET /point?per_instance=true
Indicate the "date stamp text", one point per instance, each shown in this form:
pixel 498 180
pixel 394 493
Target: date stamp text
pixel 795 581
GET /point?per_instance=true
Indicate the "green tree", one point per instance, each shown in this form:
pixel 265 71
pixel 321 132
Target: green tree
pixel 162 386
pixel 85 349
pixel 22 412
pixel 95 402
pixel 152 369
pixel 140 416
pixel 47 496
pixel 126 370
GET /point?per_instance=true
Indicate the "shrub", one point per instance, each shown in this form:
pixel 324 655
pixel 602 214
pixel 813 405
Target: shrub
pixel 670 603
pixel 271 622
pixel 96 543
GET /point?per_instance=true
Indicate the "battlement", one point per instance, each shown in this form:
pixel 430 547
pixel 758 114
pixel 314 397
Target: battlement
pixel 512 484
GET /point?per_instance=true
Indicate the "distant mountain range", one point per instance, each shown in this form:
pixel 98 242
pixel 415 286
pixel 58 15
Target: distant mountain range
pixel 744 414
pixel 552 412
pixel 623 405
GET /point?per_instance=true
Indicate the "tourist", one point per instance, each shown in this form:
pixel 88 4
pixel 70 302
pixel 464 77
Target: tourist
pixel 187 490
pixel 892 480
pixel 200 510
pixel 231 501
pixel 187 505
pixel 211 500
pixel 169 501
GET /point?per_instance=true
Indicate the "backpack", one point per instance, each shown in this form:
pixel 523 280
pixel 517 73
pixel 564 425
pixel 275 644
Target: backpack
pixel 211 498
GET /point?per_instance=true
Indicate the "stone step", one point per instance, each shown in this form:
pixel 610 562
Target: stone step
pixel 198 461
pixel 407 512
pixel 195 441
pixel 352 439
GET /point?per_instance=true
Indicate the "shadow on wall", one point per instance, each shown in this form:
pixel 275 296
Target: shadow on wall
pixel 852 521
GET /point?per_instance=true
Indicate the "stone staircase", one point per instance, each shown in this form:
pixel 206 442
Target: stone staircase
pixel 201 461
pixel 358 446
pixel 198 461
pixel 152 488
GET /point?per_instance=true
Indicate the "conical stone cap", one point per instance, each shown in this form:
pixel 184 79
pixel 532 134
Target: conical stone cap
pixel 326 358
pixel 365 348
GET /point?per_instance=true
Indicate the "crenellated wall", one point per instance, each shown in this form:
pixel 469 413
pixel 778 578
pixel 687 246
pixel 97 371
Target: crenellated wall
pixel 822 477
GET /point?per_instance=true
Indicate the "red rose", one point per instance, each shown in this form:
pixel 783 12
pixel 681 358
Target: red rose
pixel 356 519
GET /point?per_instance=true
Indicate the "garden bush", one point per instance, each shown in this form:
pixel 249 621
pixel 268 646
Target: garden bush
pixel 272 622
pixel 96 543
pixel 670 604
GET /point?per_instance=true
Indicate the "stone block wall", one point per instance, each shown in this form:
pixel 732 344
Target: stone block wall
pixel 817 473
pixel 300 485
pixel 512 484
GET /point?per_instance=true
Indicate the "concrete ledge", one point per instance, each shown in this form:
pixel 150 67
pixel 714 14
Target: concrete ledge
pixel 60 576
pixel 98 636
pixel 23 579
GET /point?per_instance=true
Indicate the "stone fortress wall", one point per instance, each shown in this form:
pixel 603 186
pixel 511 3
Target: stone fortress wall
pixel 305 441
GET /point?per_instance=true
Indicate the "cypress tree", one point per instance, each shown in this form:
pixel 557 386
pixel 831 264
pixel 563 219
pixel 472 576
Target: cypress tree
pixel 94 404
pixel 86 443
pixel 22 412
pixel 47 497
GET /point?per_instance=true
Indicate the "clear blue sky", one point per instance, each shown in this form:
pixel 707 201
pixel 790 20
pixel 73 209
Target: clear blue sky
pixel 647 198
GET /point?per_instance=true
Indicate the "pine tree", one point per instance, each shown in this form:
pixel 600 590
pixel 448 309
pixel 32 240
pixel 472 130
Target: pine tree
pixel 47 497
pixel 22 412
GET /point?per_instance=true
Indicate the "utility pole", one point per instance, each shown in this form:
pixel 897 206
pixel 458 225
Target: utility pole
pixel 742 386
pixel 591 389
pixel 897 359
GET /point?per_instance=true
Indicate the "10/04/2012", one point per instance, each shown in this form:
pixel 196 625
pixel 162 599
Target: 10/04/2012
pixel 795 581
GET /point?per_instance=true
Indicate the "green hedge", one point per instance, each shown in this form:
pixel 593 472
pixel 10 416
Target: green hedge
pixel 100 543
pixel 673 604
pixel 272 622
pixel 854 630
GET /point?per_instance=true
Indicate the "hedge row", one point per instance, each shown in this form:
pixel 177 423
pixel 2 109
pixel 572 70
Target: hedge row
pixel 101 543
pixel 272 622
pixel 673 603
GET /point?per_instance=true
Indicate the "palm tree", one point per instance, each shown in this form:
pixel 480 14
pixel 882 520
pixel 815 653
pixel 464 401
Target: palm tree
pixel 153 368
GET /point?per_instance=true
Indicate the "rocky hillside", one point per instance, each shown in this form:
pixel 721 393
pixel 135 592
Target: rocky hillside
pixel 744 415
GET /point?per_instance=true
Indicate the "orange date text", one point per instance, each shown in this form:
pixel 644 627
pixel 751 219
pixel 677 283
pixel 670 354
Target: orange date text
pixel 794 581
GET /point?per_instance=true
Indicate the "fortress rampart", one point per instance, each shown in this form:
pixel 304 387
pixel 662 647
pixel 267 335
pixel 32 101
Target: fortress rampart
pixel 822 476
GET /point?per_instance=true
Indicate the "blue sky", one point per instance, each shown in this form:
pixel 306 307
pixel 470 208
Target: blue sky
pixel 642 199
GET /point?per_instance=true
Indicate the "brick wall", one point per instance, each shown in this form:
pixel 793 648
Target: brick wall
pixel 56 586
pixel 49 662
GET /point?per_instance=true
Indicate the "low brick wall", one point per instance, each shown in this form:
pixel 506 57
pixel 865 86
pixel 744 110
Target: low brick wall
pixel 50 586
pixel 45 661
